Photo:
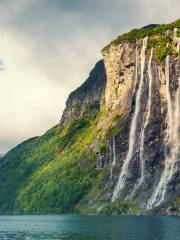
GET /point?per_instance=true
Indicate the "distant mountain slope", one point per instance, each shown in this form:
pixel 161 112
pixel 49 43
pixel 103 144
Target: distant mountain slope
pixel 150 26
pixel 50 174
pixel 116 148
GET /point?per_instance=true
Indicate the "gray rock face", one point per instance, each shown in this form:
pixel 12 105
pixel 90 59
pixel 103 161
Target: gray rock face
pixel 87 97
pixel 146 173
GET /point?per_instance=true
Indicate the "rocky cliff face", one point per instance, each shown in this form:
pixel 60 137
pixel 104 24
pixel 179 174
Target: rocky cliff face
pixel 117 147
pixel 87 97
pixel 147 156
pixel 142 163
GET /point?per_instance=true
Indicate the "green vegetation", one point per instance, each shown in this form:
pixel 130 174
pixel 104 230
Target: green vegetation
pixel 112 131
pixel 103 147
pixel 119 207
pixel 178 200
pixel 161 48
pixel 141 33
pixel 55 173
pixel 118 117
pixel 117 128
pixel 89 204
pixel 49 174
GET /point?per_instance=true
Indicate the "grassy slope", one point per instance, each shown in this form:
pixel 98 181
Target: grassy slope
pixel 49 174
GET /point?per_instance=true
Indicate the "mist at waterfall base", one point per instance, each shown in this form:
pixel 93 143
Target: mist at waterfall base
pixel 73 227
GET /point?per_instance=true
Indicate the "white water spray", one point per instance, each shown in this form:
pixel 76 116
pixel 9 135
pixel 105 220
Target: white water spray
pixel 149 104
pixel 136 72
pixel 172 142
pixel 133 127
pixel 114 155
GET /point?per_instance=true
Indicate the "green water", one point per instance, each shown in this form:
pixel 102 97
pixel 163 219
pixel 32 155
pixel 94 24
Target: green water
pixel 74 227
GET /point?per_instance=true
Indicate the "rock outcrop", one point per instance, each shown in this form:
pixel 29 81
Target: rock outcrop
pixel 87 97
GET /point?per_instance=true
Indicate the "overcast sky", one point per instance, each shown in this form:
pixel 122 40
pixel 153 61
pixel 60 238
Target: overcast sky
pixel 48 47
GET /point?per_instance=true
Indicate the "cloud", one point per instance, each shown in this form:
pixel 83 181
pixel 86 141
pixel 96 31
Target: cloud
pixel 48 49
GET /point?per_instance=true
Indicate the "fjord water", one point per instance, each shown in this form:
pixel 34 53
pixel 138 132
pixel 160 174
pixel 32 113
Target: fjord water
pixel 74 227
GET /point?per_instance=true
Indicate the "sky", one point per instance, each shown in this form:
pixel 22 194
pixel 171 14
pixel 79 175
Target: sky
pixel 48 47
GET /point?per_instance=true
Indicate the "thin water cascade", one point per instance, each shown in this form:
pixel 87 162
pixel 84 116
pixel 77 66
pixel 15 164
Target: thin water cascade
pixel 136 72
pixel 114 155
pixel 133 127
pixel 149 104
pixel 172 142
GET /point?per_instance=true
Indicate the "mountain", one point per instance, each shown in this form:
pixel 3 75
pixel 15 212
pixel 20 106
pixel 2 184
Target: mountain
pixel 150 26
pixel 116 149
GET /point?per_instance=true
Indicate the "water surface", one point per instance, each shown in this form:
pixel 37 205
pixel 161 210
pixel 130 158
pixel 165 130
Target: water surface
pixel 73 227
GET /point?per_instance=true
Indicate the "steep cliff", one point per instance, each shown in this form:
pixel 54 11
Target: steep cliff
pixel 143 82
pixel 117 147
pixel 89 96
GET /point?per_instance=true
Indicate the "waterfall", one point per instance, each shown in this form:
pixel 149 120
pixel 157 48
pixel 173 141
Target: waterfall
pixel 172 142
pixel 114 155
pixel 149 104
pixel 133 127
pixel 136 72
